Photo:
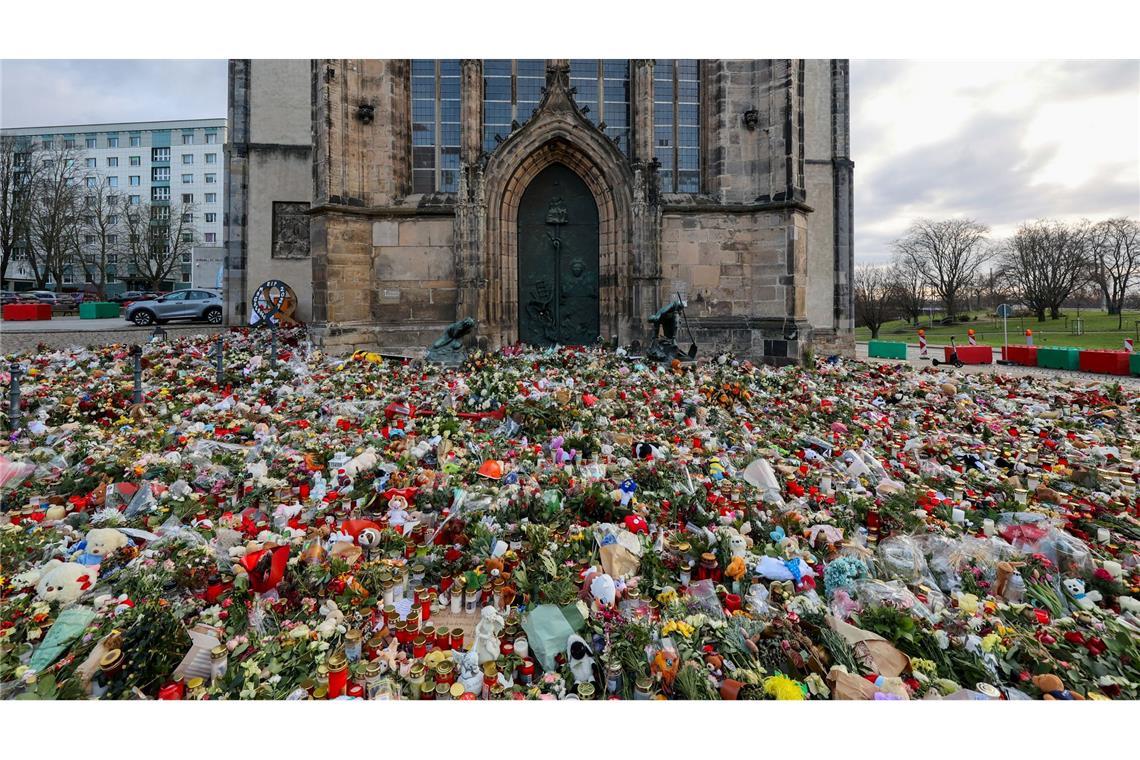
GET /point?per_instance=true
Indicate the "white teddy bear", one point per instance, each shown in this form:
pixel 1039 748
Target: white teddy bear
pixel 58 581
pixel 102 542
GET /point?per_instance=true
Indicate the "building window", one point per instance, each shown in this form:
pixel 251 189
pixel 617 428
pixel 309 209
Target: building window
pixel 69 144
pixel 133 200
pixel 676 124
pixel 211 138
pixel 160 154
pixel 211 218
pixel 187 198
pixel 603 87
pixel 113 141
pixel 46 142
pixel 188 139
pixel 112 181
pixel 112 162
pixel 136 141
pixel 185 277
pixel 187 158
pixel 188 217
pixel 211 179
pixel 112 239
pixel 91 182
pixel 211 237
pixel 435 126
pixel 89 239
pixel 160 193
pixel 91 163
pixel 89 201
pixel 187 237
pixel 90 142
pixel 134 180
pixel 511 92
pixel 187 179
pixel 211 158
pixel 211 197
pixel 136 160
pixel 160 174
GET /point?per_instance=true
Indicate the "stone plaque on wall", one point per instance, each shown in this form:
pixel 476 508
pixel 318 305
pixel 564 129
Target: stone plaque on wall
pixel 290 230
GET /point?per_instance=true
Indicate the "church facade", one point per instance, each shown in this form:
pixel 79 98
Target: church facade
pixel 553 201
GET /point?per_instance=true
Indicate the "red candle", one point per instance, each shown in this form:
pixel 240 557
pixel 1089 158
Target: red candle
pixel 338 675
pixel 356 690
pixel 425 607
pixel 303 490
pixel 172 690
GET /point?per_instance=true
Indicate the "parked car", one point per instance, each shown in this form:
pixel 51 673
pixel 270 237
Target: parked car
pixel 181 304
pixel 130 295
pixel 9 296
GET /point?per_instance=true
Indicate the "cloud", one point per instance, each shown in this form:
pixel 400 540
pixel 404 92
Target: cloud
pixel 1001 142
pixel 59 92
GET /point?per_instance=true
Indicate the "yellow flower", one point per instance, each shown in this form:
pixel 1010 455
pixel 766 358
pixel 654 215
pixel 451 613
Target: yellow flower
pixel 783 688
pixel 990 641
pixel 677 626
pixel 920 665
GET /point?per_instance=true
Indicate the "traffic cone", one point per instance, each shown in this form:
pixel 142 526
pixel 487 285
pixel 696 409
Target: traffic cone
pixel 1028 337
pixel 922 354
pixel 970 334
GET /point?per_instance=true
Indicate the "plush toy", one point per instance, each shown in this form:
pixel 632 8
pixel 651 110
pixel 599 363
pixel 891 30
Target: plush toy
pixel 603 589
pixel 581 659
pixel 1053 688
pixel 100 543
pixel 493 567
pixel 1129 604
pixel 1075 588
pixel 57 581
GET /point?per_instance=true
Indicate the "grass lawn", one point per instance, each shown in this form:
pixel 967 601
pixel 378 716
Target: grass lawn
pixel 1099 331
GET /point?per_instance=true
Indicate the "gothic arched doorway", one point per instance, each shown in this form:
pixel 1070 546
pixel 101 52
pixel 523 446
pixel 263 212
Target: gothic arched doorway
pixel 558 262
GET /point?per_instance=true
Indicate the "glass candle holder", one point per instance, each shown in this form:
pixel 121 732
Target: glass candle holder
pixel 219 662
pixel 353 641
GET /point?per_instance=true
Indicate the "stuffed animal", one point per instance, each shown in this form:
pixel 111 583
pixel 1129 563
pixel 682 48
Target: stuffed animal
pixel 581 659
pixel 100 543
pixel 1053 688
pixel 58 581
pixel 1075 588
pixel 493 567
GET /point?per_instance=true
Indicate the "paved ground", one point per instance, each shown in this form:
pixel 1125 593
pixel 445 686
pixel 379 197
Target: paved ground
pixel 63 332
pixel 1013 369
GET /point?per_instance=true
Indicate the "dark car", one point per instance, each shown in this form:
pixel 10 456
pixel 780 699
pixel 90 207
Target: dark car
pixel 9 296
pixel 181 304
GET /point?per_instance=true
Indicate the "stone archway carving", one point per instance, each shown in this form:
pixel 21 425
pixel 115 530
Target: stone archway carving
pixel 559 133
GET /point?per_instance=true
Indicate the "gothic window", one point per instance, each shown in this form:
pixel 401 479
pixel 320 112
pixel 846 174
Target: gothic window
pixel 435 126
pixel 511 92
pixel 603 86
pixel 676 124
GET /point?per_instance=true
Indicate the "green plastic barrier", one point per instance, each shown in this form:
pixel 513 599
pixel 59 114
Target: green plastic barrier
pixel 98 310
pixel 1059 358
pixel 885 349
pixel 1134 364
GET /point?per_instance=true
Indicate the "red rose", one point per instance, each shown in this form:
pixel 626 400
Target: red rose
pixel 1074 637
pixel 1103 575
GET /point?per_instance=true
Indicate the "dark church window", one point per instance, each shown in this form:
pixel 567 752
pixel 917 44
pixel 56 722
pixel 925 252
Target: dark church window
pixel 435 126
pixel 676 124
pixel 511 92
pixel 604 87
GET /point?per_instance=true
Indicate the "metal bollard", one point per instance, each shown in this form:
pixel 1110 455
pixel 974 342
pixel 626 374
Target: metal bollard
pixel 218 360
pixel 136 356
pixel 14 398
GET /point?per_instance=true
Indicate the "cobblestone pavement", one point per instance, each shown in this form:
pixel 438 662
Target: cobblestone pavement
pixel 14 339
pixel 912 358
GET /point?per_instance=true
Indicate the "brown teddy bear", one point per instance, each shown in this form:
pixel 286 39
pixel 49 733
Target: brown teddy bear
pixel 1052 688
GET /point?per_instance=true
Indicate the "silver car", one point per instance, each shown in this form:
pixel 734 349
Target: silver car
pixel 181 304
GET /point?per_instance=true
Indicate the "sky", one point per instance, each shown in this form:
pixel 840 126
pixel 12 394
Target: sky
pixel 1001 142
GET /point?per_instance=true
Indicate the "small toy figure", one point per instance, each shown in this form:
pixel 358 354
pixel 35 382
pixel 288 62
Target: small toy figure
pixel 487 630
pixel 1053 688
pixel 581 659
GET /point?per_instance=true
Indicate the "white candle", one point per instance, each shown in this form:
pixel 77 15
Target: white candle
pixel 988 527
pixel 958 515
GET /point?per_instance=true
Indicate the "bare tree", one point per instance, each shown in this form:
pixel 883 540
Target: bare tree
pixel 1045 262
pixel 909 288
pixel 158 236
pixel 874 297
pixel 18 176
pixel 53 214
pixel 100 235
pixel 1115 261
pixel 947 254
